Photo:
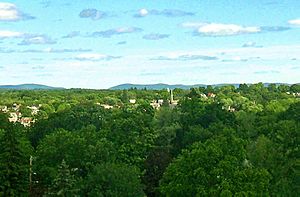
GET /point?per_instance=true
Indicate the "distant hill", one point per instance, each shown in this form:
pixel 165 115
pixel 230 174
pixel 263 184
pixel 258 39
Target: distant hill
pixel 161 86
pixel 29 87
pixel 158 86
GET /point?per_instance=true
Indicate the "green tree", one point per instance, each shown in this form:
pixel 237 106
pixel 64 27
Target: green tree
pixel 72 119
pixel 283 88
pixel 216 167
pixel 295 88
pixel 272 87
pixel 292 113
pixel 132 134
pixel 15 152
pixel 62 107
pixel 243 88
pixel 110 179
pixel 64 183
pixel 79 151
pixel 286 171
pixel 155 165
pixel 26 112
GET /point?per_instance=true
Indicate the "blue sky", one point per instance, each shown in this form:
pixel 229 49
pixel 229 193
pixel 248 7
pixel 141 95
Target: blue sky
pixel 99 44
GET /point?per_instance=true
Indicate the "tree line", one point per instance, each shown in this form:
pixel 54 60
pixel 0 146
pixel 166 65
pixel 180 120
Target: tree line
pixel 218 141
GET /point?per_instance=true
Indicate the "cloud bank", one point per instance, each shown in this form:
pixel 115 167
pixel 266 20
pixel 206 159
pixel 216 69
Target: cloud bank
pixel 92 14
pixel 10 34
pixel 215 29
pixel 155 36
pixel 294 22
pixel 117 31
pixel 166 12
pixel 251 44
pixel 219 29
pixel 95 57
pixel 185 58
pixel 31 39
pixel 28 39
pixel 72 34
pixel 10 12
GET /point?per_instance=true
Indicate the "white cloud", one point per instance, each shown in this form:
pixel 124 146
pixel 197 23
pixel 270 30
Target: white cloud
pixel 251 44
pixel 28 39
pixel 92 13
pixel 117 31
pixel 143 12
pixel 193 24
pixel 4 5
pixel 37 39
pixel 185 57
pixel 94 57
pixel 10 34
pixel 215 29
pixel 125 30
pixel 276 54
pixel 294 22
pixel 219 29
pixel 166 12
pixel 91 56
pixel 8 12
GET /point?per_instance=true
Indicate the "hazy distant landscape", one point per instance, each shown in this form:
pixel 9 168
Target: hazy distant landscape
pixel 28 87
pixel 156 98
pixel 159 86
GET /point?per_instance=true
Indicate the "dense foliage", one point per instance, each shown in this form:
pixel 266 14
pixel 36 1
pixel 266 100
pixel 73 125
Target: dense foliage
pixel 216 141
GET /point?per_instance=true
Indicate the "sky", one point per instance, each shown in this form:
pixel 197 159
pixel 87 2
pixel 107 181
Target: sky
pixel 100 43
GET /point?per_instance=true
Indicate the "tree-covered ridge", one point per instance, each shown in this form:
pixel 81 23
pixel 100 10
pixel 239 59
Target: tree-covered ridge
pixel 215 141
pixel 28 87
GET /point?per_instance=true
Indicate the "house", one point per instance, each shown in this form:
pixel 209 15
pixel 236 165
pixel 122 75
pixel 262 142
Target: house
pixel 297 94
pixel 174 103
pixel 155 105
pixel 14 116
pixel 34 109
pixel 3 109
pixel 132 101
pixel 211 95
pixel 26 121
pixel 203 95
pixel 160 101
pixel 105 106
pixel 16 107
pixel 229 108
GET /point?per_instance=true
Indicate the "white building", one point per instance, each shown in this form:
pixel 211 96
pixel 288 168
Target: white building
pixel 3 109
pixel 34 110
pixel 105 106
pixel 16 107
pixel 132 101
pixel 26 121
pixel 14 116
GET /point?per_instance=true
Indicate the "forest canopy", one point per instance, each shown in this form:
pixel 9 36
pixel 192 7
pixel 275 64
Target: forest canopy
pixel 213 141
